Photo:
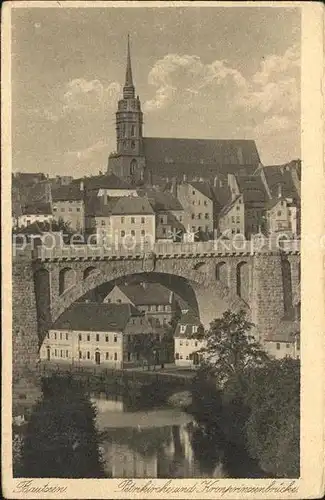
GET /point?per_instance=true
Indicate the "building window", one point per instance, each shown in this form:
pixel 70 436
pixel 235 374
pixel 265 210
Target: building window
pixel 132 220
pixel 180 218
pixel 143 220
pixel 103 222
pixel 232 219
pixel 143 232
pixel 54 335
pixel 182 328
pixel 106 338
pixel 48 335
pixel 177 356
pixel 115 356
pixel 66 336
pixel 70 209
pixel 193 216
pixel 132 232
pixel 199 216
pixel 88 355
pixel 122 234
pixel 199 202
pixel 115 338
pixel 205 203
pixel 180 342
pixel 80 355
pixel 54 209
pixel 107 356
pixel 78 209
pixel 132 130
pixel 97 337
pixel 278 346
pixel 122 220
pixel 88 338
pixel 206 216
pixel 80 337
pixel 194 329
pixel 238 219
pixel 193 192
pixel 186 343
pixel 61 353
pixel 237 207
pixel 195 343
pixel 279 213
pixel 66 354
pixel 287 346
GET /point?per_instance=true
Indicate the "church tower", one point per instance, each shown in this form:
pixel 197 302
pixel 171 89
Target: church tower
pixel 129 162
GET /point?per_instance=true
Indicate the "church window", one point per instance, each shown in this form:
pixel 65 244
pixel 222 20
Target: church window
pixel 132 130
pixel 133 144
pixel 133 166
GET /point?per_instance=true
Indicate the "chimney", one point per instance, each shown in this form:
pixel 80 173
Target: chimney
pixel 82 185
pixel 279 191
pixel 215 181
pixel 184 178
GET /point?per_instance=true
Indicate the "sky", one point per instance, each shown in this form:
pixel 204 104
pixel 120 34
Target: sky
pixel 206 72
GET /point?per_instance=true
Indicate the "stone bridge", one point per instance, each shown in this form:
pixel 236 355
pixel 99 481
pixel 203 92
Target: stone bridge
pixel 210 277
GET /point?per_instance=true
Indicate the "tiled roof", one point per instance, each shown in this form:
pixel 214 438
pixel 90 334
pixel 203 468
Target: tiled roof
pixel 174 222
pixel 107 181
pixel 161 200
pixel 275 177
pixel 150 294
pixel 95 317
pixel 98 206
pixel 229 206
pixel 132 205
pixel 37 208
pixel 70 192
pixel 203 187
pixel 252 189
pixel 200 151
pixel 188 320
pixel 222 194
pixel 285 331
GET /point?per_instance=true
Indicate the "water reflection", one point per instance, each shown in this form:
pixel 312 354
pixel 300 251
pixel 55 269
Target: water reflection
pixel 160 442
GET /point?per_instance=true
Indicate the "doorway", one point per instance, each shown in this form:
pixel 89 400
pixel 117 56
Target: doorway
pixel 97 357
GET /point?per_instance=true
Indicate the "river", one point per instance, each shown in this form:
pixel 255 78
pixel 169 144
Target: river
pixel 156 443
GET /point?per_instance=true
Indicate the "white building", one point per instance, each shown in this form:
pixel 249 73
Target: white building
pixel 36 212
pixel 95 334
pixel 186 344
pixel 284 341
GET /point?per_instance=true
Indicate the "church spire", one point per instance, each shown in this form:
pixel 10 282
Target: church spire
pixel 128 89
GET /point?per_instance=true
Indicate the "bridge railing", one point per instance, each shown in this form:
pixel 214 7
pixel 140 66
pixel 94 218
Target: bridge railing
pixel 165 249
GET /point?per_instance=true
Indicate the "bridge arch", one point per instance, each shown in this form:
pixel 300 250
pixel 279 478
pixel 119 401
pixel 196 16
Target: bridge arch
pixel 208 298
pixel 222 272
pixel 88 271
pixel 242 280
pixel 67 279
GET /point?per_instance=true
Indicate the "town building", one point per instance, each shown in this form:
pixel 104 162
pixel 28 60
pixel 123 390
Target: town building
pixel 36 212
pixel 89 334
pixel 284 341
pixel 154 300
pixel 108 185
pixel 197 200
pixel 282 215
pixel 231 219
pixel 140 159
pixel 170 214
pixel 122 222
pixel 186 344
pixel 68 205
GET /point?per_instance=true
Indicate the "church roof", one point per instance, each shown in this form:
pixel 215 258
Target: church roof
pixel 37 209
pixel 172 151
pixel 106 181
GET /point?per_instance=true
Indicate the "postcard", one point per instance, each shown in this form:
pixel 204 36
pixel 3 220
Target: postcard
pixel 163 250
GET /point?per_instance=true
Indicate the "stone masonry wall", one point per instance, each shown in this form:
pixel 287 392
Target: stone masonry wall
pixel 26 388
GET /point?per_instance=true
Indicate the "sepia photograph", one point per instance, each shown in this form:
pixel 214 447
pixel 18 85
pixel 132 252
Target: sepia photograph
pixel 156 206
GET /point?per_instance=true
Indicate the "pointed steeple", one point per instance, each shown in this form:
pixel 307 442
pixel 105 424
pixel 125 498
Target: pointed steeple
pixel 128 89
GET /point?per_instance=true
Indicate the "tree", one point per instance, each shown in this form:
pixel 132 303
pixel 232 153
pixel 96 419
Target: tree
pixel 230 349
pixel 61 439
pixel 273 426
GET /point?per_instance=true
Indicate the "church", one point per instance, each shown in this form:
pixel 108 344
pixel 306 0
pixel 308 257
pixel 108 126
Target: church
pixel 145 160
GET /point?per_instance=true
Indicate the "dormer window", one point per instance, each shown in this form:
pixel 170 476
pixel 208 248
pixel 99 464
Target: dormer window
pixel 183 328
